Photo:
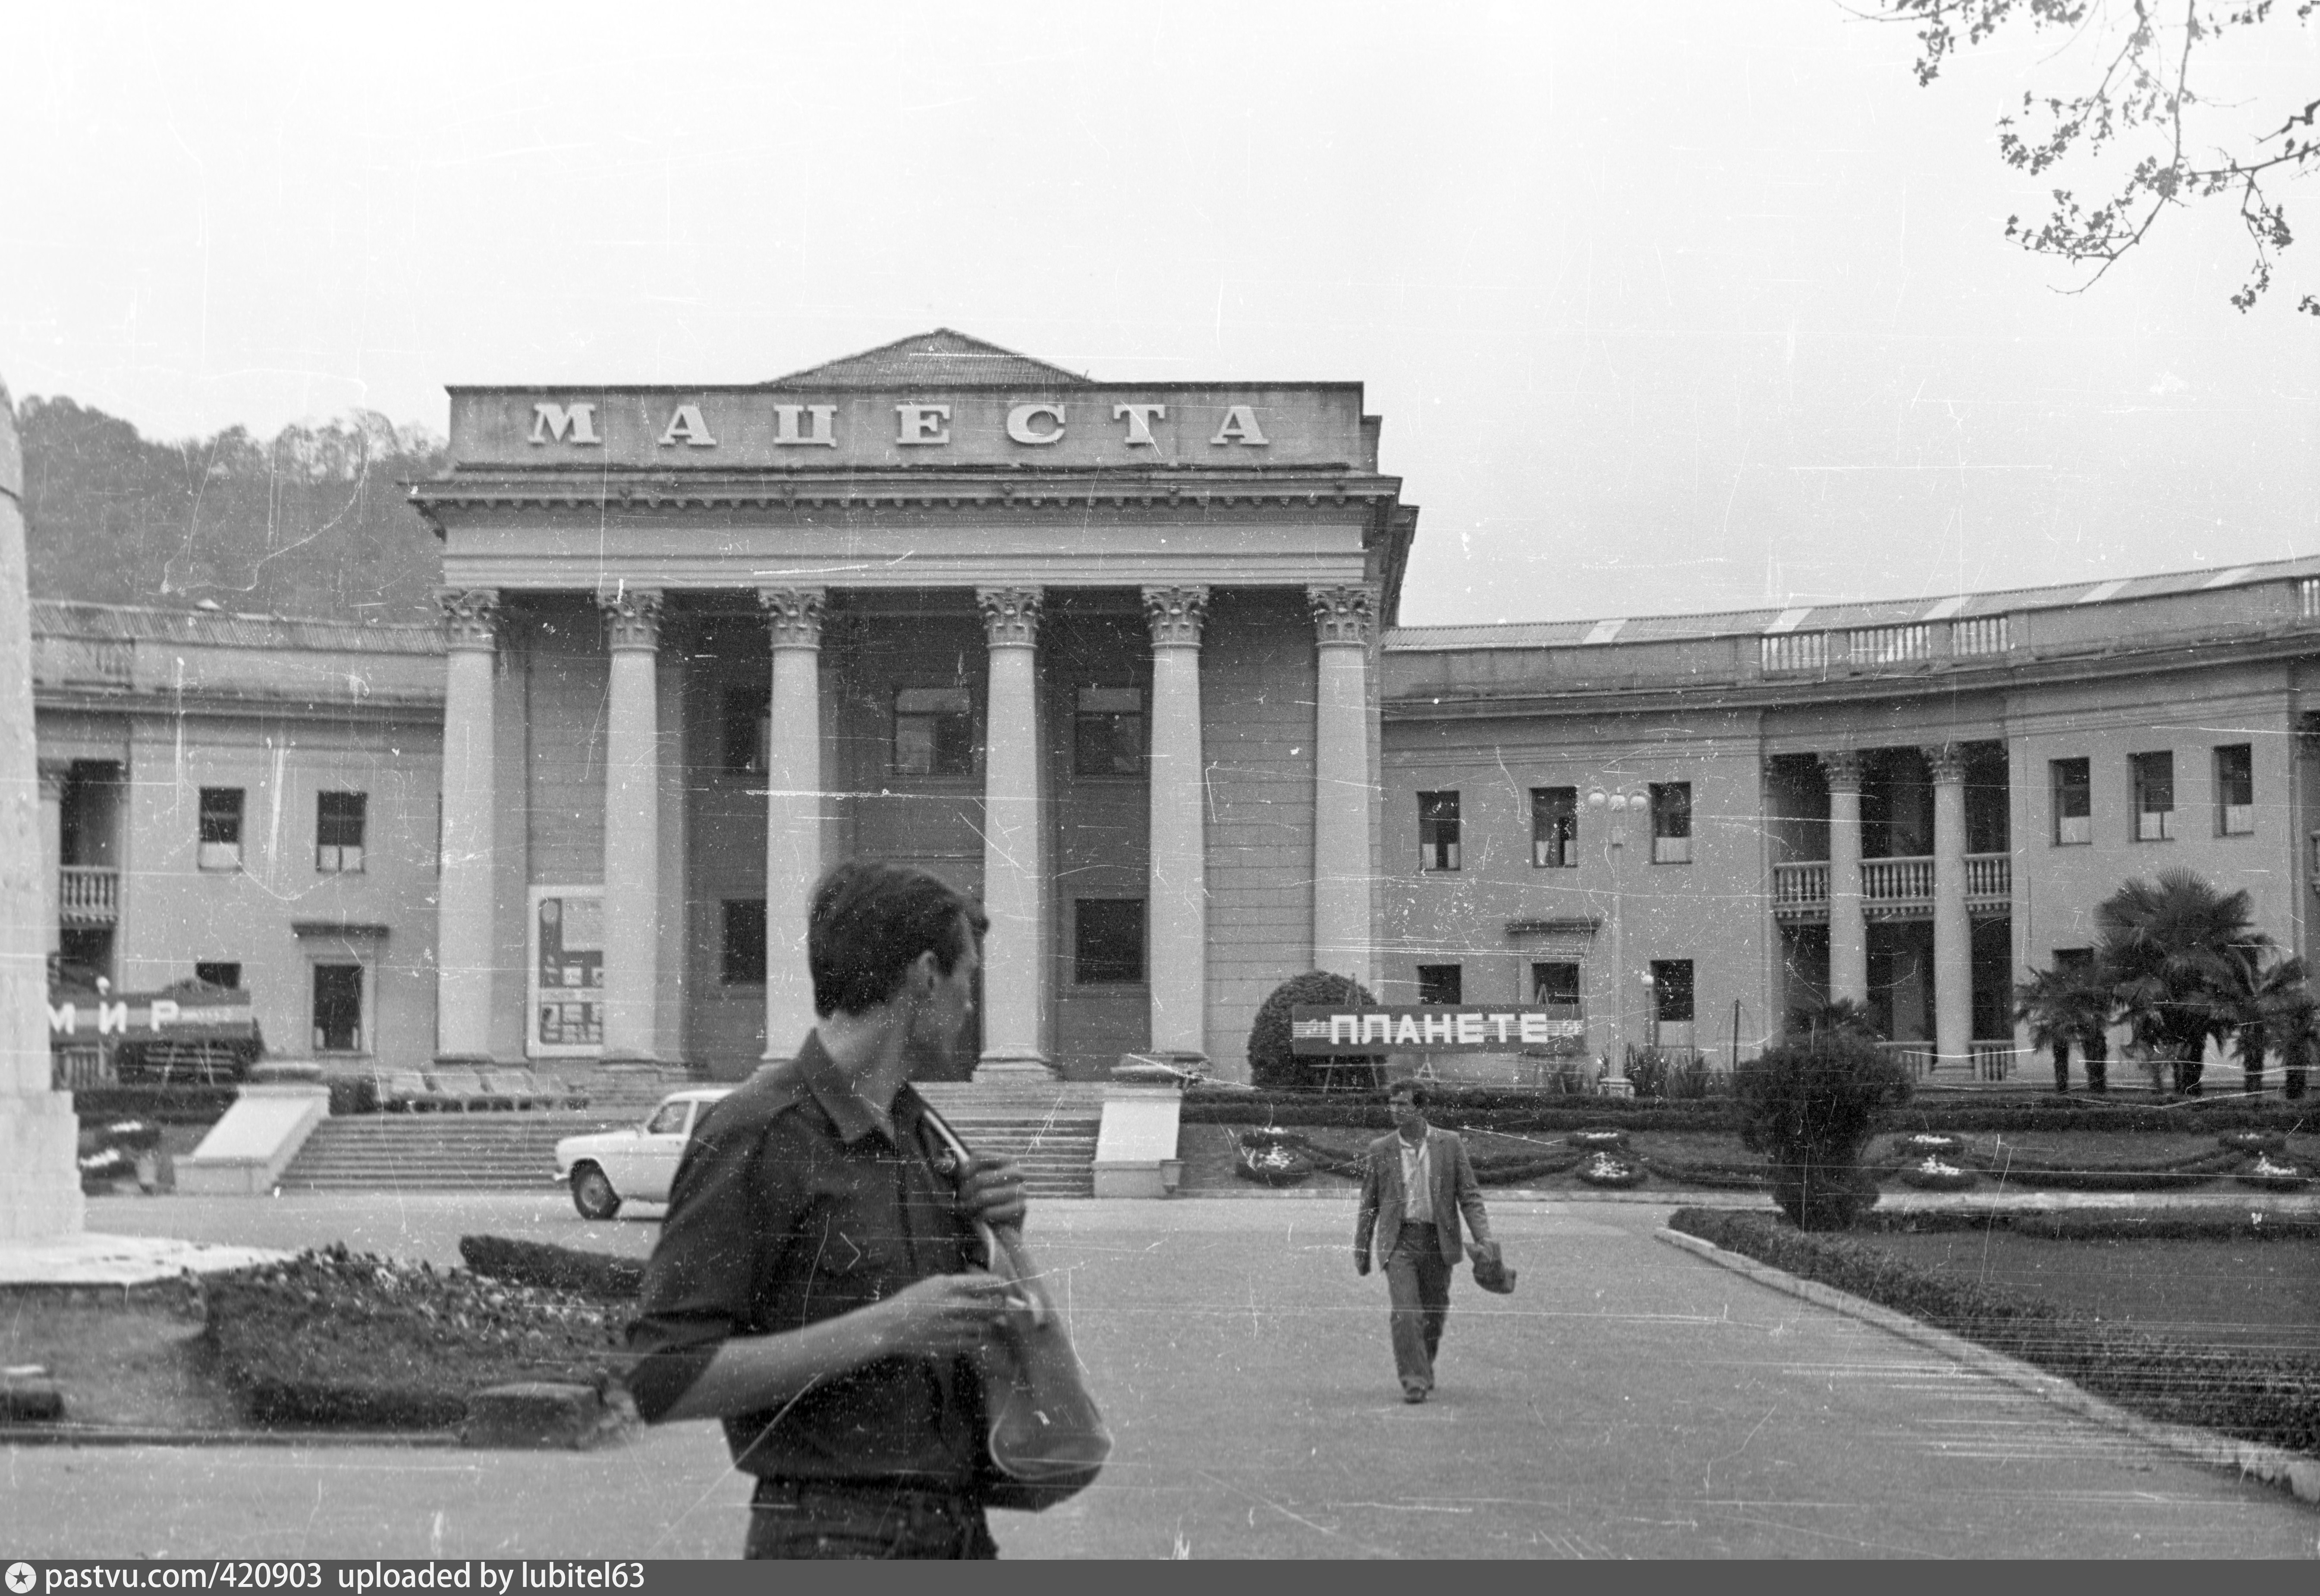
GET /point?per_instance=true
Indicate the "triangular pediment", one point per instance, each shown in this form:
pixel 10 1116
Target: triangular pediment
pixel 939 358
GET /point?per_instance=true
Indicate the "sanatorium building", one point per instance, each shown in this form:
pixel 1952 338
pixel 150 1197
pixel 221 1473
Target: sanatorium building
pixel 1122 660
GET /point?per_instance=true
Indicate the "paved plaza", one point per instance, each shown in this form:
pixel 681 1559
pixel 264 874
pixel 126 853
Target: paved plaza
pixel 1628 1400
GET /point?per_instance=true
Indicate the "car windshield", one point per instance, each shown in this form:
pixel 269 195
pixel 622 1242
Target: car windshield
pixel 668 1120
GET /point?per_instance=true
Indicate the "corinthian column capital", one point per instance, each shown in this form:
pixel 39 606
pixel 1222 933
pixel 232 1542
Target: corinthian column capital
pixel 794 615
pixel 1343 614
pixel 471 617
pixel 633 616
pixel 1011 615
pixel 1947 762
pixel 1842 769
pixel 1176 614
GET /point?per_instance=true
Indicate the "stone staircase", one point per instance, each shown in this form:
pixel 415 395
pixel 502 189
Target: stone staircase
pixel 488 1152
pixel 1048 1127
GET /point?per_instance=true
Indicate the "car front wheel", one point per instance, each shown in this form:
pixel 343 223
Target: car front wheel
pixel 593 1194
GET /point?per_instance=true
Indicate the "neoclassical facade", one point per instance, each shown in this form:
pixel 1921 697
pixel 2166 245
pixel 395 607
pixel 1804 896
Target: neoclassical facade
pixel 1686 828
pixel 1122 660
pixel 1101 655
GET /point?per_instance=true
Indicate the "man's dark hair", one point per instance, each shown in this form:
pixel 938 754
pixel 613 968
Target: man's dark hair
pixel 869 923
pixel 1408 1089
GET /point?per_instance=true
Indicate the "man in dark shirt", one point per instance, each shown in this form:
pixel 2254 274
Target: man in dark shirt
pixel 816 1285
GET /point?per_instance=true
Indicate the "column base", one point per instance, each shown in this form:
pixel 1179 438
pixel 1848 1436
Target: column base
pixel 1012 1067
pixel 1615 1086
pixel 464 1061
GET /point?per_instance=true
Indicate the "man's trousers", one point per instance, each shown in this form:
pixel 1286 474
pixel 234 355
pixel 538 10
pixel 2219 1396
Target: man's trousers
pixel 1418 1284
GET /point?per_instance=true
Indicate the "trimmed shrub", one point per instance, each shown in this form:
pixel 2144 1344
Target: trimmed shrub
pixel 1810 1108
pixel 352 1095
pixel 2259 1397
pixel 606 1276
pixel 165 1105
pixel 1270 1063
pixel 2077 1225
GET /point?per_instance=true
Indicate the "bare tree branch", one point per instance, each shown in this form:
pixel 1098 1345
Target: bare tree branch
pixel 2137 112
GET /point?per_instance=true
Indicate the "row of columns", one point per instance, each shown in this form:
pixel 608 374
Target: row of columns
pixel 1848 921
pixel 1014 877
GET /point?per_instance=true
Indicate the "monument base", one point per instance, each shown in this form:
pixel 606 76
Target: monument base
pixel 40 1168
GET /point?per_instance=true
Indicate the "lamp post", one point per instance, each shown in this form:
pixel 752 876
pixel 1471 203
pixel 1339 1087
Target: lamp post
pixel 1620 804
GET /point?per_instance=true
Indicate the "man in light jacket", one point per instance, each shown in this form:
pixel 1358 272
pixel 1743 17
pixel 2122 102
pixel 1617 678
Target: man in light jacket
pixel 1418 1185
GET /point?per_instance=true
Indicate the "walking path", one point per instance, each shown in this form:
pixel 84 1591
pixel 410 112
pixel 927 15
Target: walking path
pixel 1629 1399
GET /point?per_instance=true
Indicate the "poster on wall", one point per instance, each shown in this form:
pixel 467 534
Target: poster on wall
pixel 567 972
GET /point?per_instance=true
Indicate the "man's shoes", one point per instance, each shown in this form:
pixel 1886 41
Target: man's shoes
pixel 1413 1394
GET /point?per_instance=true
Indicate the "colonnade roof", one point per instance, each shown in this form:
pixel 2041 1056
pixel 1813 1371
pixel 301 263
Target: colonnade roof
pixel 1774 622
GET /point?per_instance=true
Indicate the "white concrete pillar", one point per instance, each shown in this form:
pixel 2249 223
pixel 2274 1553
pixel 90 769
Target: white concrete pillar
pixel 40 1180
pixel 1343 618
pixel 631 825
pixel 463 894
pixel 1177 899
pixel 793 806
pixel 1952 929
pixel 1014 877
pixel 54 774
pixel 1848 925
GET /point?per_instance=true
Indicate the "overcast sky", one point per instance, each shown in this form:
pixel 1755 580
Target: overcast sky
pixel 1671 306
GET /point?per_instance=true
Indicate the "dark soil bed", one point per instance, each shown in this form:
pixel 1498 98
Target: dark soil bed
pixel 2263 1295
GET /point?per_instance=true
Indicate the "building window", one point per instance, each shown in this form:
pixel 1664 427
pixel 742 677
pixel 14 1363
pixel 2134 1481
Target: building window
pixel 339 833
pixel 1441 984
pixel 1671 823
pixel 221 829
pixel 742 962
pixel 219 972
pixel 1108 941
pixel 339 1009
pixel 1555 982
pixel 934 731
pixel 1671 991
pixel 1437 830
pixel 2154 796
pixel 2235 790
pixel 2074 801
pixel 1554 827
pixel 1108 731
pixel 748 724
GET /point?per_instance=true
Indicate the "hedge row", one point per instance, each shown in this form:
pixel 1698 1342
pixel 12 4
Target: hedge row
pixel 164 1105
pixel 1516 1110
pixel 2259 1397
pixel 606 1276
pixel 2155 1177
pixel 2073 1224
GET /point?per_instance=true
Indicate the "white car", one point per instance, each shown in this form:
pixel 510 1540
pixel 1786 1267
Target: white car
pixel 608 1168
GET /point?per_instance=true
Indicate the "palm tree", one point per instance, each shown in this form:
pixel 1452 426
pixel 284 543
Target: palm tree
pixel 1838 1016
pixel 2173 950
pixel 2066 1007
pixel 2271 1004
pixel 2295 1027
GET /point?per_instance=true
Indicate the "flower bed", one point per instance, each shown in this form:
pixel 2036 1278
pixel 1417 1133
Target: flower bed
pixel 2264 1397
pixel 2269 1175
pixel 332 1338
pixel 1605 1169
pixel 2253 1141
pixel 606 1276
pixel 1930 1173
pixel 1271 1159
pixel 1926 1143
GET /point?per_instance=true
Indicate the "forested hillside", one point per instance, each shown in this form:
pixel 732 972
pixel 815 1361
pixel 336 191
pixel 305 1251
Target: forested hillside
pixel 313 524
